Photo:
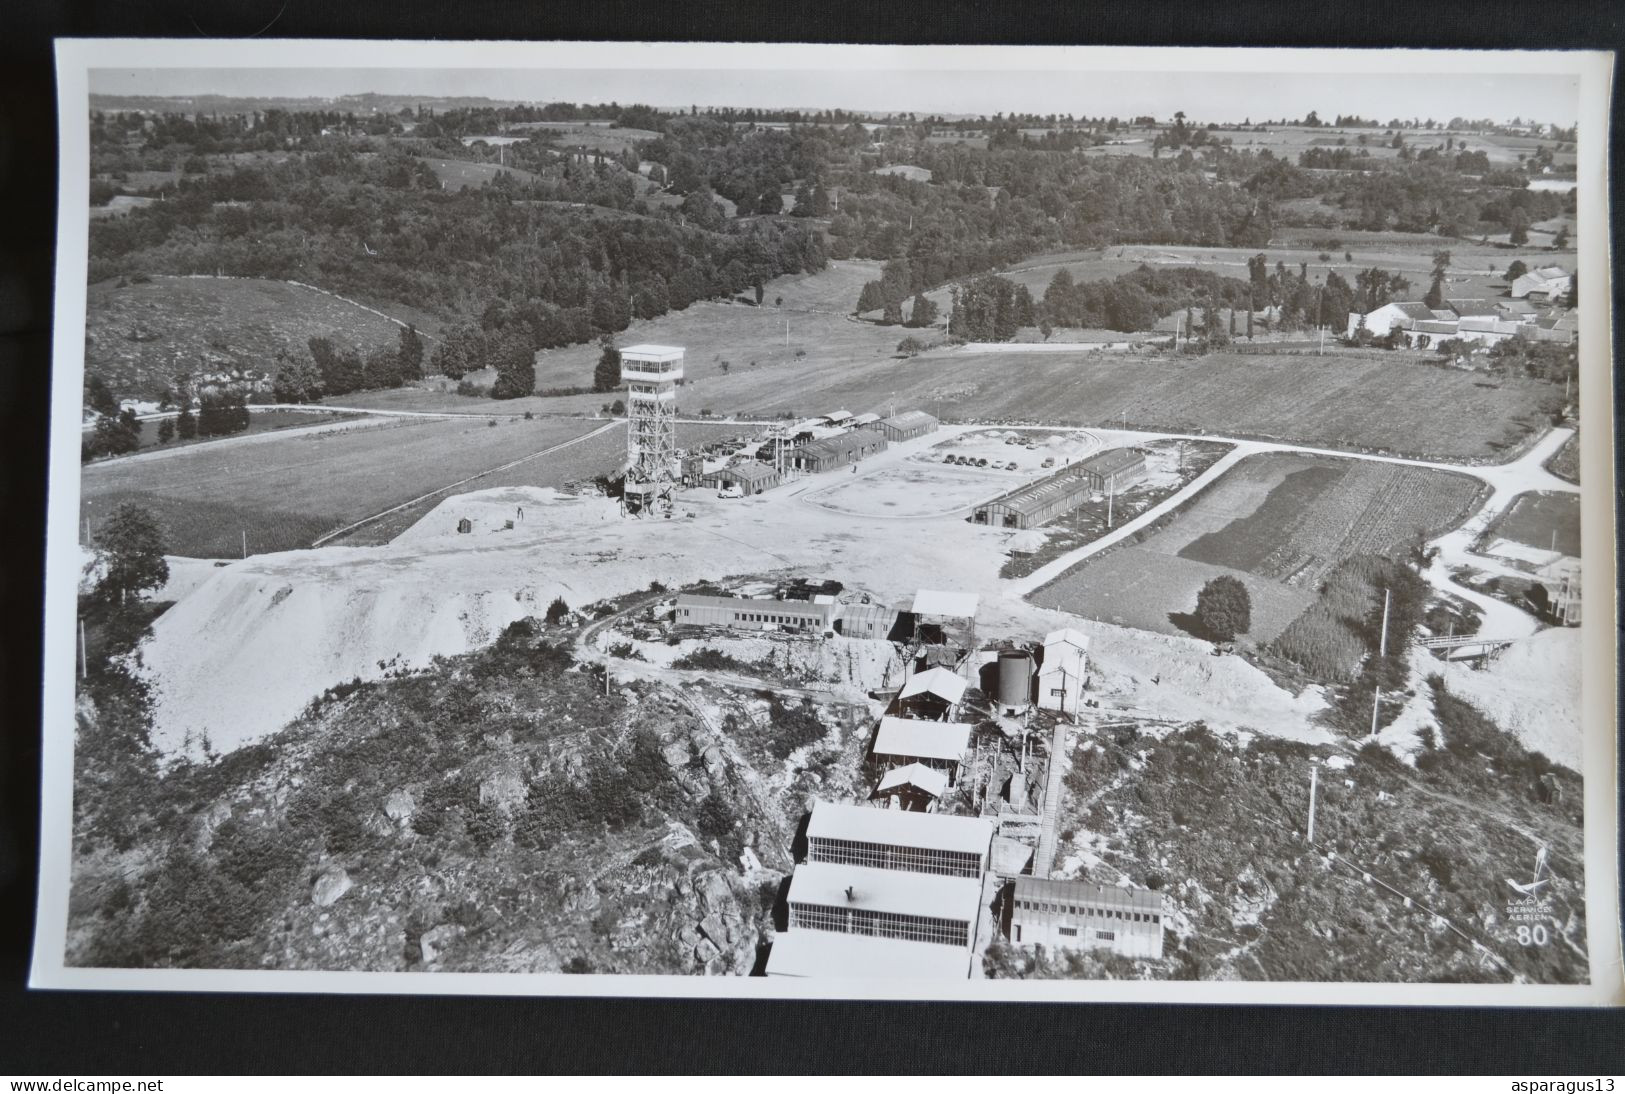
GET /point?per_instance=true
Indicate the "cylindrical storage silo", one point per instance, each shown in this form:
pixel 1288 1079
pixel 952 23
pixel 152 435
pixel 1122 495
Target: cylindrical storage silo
pixel 1015 676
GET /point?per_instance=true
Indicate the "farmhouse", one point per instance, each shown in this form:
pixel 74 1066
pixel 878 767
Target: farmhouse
pixel 1542 283
pixel 1558 327
pixel 905 426
pixel 1471 307
pixel 907 171
pixel 886 839
pixel 1082 915
pixel 940 746
pixel 1487 331
pixel 1040 502
pixel 756 614
pixel 835 452
pixel 1061 676
pixel 1390 315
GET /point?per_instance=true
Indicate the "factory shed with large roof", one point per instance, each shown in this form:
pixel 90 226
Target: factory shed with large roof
pixel 826 954
pixel 889 839
pixel 1066 914
pixel 905 426
pixel 1040 502
pixel 885 903
pixel 937 745
pixel 830 453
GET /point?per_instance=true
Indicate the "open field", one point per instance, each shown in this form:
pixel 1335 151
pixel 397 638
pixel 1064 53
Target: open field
pixel 1290 141
pixel 260 421
pixel 1392 403
pixel 1382 403
pixel 285 492
pixel 1280 523
pixel 461 174
pixel 1144 588
pixel 1566 463
pixel 605 138
pixel 138 335
pixel 1540 520
pixel 1475 271
pixel 591 457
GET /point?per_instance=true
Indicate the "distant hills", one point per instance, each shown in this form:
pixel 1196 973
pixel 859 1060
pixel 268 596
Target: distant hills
pixel 366 103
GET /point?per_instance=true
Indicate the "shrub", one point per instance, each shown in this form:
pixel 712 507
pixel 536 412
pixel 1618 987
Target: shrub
pixel 557 612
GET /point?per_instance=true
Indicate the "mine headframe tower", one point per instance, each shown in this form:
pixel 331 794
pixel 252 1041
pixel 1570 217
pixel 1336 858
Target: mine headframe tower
pixel 652 374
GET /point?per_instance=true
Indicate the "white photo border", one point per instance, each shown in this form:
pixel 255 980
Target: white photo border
pixel 76 58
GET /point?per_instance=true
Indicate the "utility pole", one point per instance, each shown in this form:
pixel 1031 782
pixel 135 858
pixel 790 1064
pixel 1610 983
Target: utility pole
pixel 1314 784
pixel 245 542
pixel 1383 646
pixel 84 667
pixel 787 334
pixel 1376 698
pixel 1111 496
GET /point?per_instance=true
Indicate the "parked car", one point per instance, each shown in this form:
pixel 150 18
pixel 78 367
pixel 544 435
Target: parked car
pixel 730 490
pixel 1049 461
pixel 1011 466
pixel 981 463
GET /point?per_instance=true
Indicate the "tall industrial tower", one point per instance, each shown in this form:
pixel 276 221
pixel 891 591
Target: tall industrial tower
pixel 651 374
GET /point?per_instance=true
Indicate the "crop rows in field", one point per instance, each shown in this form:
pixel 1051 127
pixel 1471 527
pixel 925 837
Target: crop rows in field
pixel 1373 509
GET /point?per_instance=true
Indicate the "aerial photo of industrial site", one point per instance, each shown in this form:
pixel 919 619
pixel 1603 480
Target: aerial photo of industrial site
pixel 563 527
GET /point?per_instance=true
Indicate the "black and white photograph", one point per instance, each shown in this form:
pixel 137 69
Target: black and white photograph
pixel 894 522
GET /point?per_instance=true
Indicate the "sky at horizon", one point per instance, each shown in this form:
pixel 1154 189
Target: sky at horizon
pixel 1205 96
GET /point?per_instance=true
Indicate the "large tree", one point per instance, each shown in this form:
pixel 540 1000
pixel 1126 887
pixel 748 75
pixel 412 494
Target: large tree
pixel 410 353
pixel 606 375
pixel 515 365
pixel 1223 608
pixel 924 312
pixel 132 549
pixel 1519 235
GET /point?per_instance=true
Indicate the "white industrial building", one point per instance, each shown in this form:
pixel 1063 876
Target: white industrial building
pixel 1062 675
pixel 932 694
pixel 913 786
pixel 886 839
pixel 1080 915
pixel 940 746
pixel 828 954
pixel 885 893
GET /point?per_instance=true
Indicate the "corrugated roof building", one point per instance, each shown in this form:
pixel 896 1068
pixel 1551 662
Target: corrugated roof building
pixel 906 425
pixel 831 453
pixel 887 839
pixel 901 742
pixel 751 614
pixel 1080 915
pixel 1040 502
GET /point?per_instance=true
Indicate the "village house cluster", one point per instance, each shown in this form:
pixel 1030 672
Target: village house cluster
pixel 1529 311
